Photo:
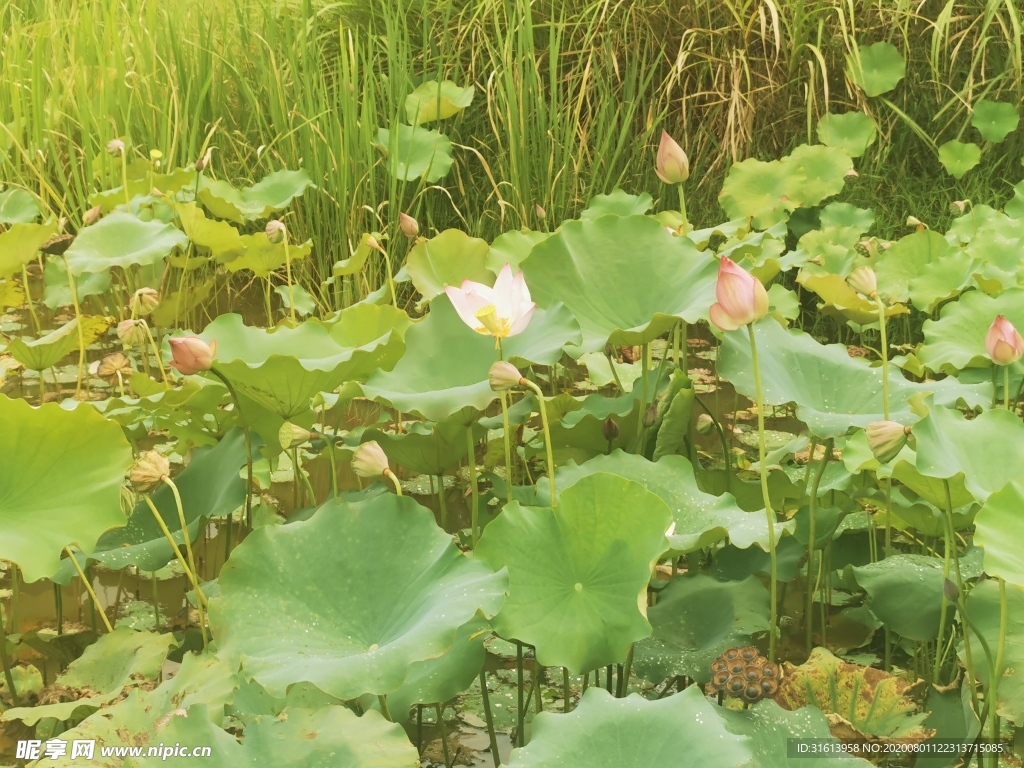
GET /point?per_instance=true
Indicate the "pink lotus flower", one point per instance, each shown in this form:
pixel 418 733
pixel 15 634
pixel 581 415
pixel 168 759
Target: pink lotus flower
pixel 672 165
pixel 741 297
pixel 501 311
pixel 1003 343
pixel 192 355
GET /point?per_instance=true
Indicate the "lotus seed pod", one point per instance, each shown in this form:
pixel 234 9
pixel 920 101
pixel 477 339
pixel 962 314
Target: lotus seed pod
pixel 409 226
pixel 149 471
pixel 132 333
pixel 144 301
pixel 705 424
pixel 369 460
pixel 504 376
pixel 114 364
pixel 752 693
pixel 886 439
pixel 732 653
pixel 91 216
pixel 610 429
pixel 275 231
pixel 749 653
pixel 57 244
pixel 735 685
pixel 770 669
pixel 292 435
pixel 115 147
pixel 864 281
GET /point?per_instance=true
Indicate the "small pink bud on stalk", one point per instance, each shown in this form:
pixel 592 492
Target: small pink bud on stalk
pixel 144 301
pixel 149 471
pixel 864 281
pixel 610 429
pixel 191 354
pixel 886 439
pixel 91 216
pixel 741 297
pixel 275 231
pixel 132 333
pixel 1003 342
pixel 672 164
pixel 541 213
pixel 115 147
pixel 409 226
pixel 503 376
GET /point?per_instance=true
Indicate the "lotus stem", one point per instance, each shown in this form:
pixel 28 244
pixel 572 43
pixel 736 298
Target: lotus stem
pixel 474 510
pixel 624 672
pixel 5 661
pixel 508 433
pixel 188 549
pixel 547 438
pixel 812 523
pixel 442 502
pixel 489 718
pixel 947 535
pixel 521 705
pixel 615 373
pixel 89 589
pixel 1006 387
pixel 684 228
pixel 156 353
pixel 189 572
pixel 81 331
pixel 444 736
pixel 769 513
pixel 641 429
pixel 288 276
pixel 998 667
pixel 384 707
pixel 266 301
pixel 885 356
pixel 721 436
pixel 248 443
pixel 30 302
pixel 394 480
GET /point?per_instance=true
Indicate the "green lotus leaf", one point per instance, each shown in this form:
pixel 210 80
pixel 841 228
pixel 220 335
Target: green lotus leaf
pixel 821 172
pixel 12 294
pixel 905 593
pixel 305 304
pixel 263 257
pixel 605 732
pixel 178 304
pixel 310 601
pixel 433 100
pixel 624 278
pixel 430 449
pixel 958 157
pixel 222 240
pixel 60 482
pixel 417 152
pixel 983 609
pixel 274 192
pixel 57 289
pixel 447 259
pixel 877 68
pixel 996 245
pixel 18 207
pixel 122 240
pixel 831 390
pixel 578 435
pixel 957 339
pixel 20 243
pixel 852 132
pixel 46 351
pixel 512 247
pixel 840 299
pixel 355 262
pixel 874 702
pixel 759 191
pixel 576 572
pixel 1015 206
pixel 446 365
pixel 999 530
pixel 141 183
pixel 847 216
pixel 618 203
pixel 995 120
pixel 922 268
pixel 124 658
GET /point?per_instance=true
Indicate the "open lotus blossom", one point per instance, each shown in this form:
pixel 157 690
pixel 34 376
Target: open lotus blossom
pixel 741 297
pixel 1003 342
pixel 500 311
pixel 672 165
pixel 192 355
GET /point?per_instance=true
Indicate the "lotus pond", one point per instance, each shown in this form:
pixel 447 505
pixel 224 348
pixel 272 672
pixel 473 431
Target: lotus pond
pixel 614 491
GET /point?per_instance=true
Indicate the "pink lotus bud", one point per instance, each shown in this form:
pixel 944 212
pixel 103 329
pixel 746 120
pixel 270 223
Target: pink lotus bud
pixel 115 147
pixel 503 375
pixel 741 297
pixel 275 231
pixel 369 460
pixel 92 215
pixel 1003 342
pixel 192 355
pixel 672 166
pixel 409 226
pixel 539 210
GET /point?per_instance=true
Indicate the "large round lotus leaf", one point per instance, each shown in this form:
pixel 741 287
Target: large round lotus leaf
pixel 985 449
pixel 757 190
pixel 923 268
pixel 446 365
pixel 122 240
pixel 46 351
pixel 349 599
pixel 999 530
pixel 447 259
pixel 20 244
pixel 18 207
pixel 701 519
pixel 274 193
pixel 123 658
pixel 995 120
pixel 417 152
pixel 512 247
pixel 605 732
pixel 429 449
pixel 877 68
pixel 957 339
pixel 625 278
pixel 578 574
pixel 983 609
pixel 618 203
pixel 831 390
pixel 283 368
pixel 958 157
pixel 304 738
pixel 821 173
pixel 433 100
pixel 853 132
pixel 60 482
pixel 209 486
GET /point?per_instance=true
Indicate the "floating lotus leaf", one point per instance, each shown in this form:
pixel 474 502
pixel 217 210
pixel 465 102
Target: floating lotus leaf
pixel 995 120
pixel 624 278
pixel 512 247
pixel 447 259
pixel 445 367
pixel 429 449
pixel 618 203
pixel 605 732
pixel 46 351
pixel 20 243
pixel 18 206
pixel 310 601
pixel 578 574
pixel 263 257
pixel 831 390
pixel 905 593
pixel 983 609
pixel 999 530
pixel 433 100
pixel 222 240
pixel 957 339
pixel 417 152
pixel 958 157
pixel 60 482
pixel 852 132
pixel 124 658
pixel 274 193
pixel 877 68
pixel 122 240
pixel 57 289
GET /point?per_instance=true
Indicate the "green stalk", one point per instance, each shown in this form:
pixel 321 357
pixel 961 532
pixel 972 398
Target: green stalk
pixel 81 331
pixel 6 663
pixel 641 429
pixel 625 672
pixel 442 502
pixel 188 542
pixel 885 357
pixel 508 434
pixel 769 513
pixel 547 437
pixel 89 589
pixel 1006 387
pixel 394 480
pixel 813 508
pixel 288 276
pixel 30 302
pixel 384 707
pixel 474 519
pixel 444 736
pixel 489 718
pixel 947 535
pixel 124 178
pixel 521 705
pixel 682 209
pixel 248 444
pixel 156 352
pixel 997 669
pixel 565 689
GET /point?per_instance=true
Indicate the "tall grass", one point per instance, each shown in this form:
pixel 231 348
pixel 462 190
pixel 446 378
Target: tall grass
pixel 570 97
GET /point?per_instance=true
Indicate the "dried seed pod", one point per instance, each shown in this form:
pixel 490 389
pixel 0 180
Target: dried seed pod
pixel 734 685
pixel 57 244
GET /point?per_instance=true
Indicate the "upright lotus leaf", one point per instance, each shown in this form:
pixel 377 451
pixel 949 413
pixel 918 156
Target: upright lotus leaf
pixel 995 120
pixel 18 206
pixel 433 100
pixel 626 279
pixel 57 289
pixel 999 530
pixel 957 339
pixel 512 247
pixel 822 173
pixel 877 68
pixel 905 593
pixel 348 599
pixel 986 450
pixel 429 449
pixel 274 192
pixel 122 659
pixel 578 574
pixel 605 732
pixel 909 257
pixel 447 259
pixel 46 351
pixel 417 152
pixel 618 203
pixel 840 299
pixel 355 262
pixel 446 365
pixel 831 390
pixel 958 157
pixel 60 482
pixel 983 609
pixel 141 183
pixel 20 243
pixel 121 239
pixel 759 191
pixel 847 216
pixel 853 132
pixel 222 240
pixel 873 702
pixel 1015 206
pixel 263 257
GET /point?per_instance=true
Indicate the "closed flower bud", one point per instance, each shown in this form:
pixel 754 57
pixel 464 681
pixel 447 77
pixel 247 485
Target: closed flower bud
pixel 651 415
pixel 92 215
pixel 864 281
pixel 950 590
pixel 114 364
pixel 275 231
pixel 610 429
pixel 409 226
pixel 204 162
pixel 503 375
pixel 191 354
pixel 742 298
pixel 672 165
pixel 886 439
pixel 541 213
pixel 132 333
pixel 292 435
pixel 144 301
pixel 705 424
pixel 369 460
pixel 1003 343
pixel 115 147
pixel 149 471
